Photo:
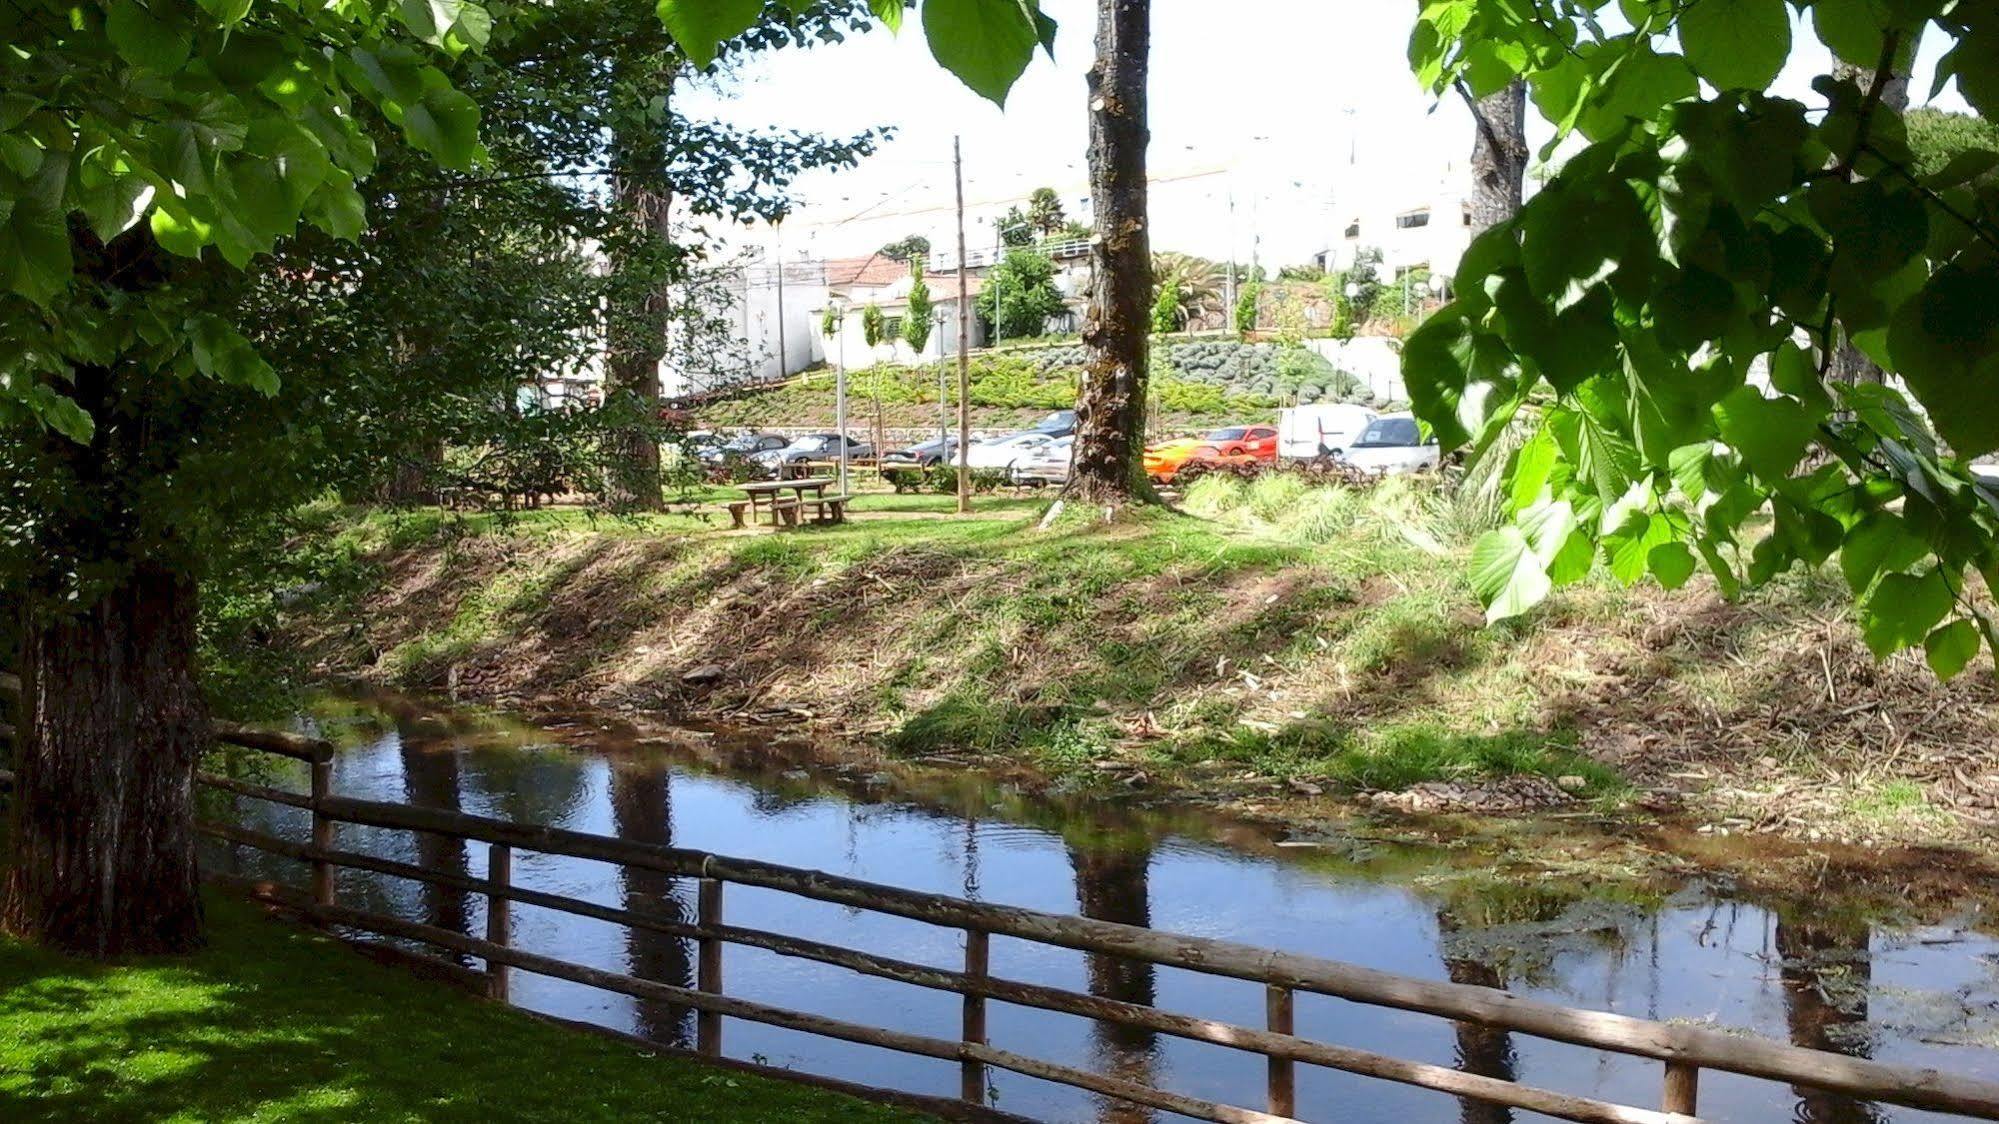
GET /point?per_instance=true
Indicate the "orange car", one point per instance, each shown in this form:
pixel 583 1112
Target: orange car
pixel 1233 445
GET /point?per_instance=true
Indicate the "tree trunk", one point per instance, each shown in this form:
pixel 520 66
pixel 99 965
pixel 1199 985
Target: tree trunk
pixel 1498 155
pixel 1110 413
pixel 102 820
pixel 1850 365
pixel 641 259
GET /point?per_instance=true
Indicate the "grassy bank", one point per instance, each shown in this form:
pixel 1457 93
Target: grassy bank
pixel 272 1022
pixel 1272 639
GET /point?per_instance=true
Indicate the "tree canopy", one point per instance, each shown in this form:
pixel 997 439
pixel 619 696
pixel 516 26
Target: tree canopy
pixel 1660 319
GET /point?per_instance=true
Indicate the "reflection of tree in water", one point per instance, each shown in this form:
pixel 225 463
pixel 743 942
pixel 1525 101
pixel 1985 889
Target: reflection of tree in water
pixel 1486 1051
pixel 1111 886
pixel 641 810
pixel 1826 970
pixel 1493 933
pixel 535 785
pixel 430 780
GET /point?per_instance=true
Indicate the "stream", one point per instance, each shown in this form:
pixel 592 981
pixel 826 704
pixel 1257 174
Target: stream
pixel 1814 970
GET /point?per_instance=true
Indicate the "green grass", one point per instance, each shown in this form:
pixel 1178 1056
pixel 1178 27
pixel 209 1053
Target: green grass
pixel 275 1023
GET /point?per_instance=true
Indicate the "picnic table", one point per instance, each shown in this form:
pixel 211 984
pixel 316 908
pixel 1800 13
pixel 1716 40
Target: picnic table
pixel 767 502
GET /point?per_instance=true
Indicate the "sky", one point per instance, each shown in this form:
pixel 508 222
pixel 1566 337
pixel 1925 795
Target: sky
pixel 1298 111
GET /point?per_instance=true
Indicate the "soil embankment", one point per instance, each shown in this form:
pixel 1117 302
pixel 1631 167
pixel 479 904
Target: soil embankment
pixel 1205 657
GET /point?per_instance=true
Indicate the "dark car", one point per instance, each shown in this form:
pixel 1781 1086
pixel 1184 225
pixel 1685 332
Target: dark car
pixel 933 452
pixel 813 447
pixel 1061 423
pixel 745 445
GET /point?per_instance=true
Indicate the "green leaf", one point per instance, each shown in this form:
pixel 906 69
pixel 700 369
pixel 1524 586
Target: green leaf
pixel 1854 29
pixel 702 26
pixel 889 12
pixel 1671 563
pixel 221 353
pixel 1507 574
pixel 1770 433
pixel 34 236
pixel 1630 547
pixel 227 11
pixel 1736 44
pixel 59 412
pixel 1879 542
pixel 1945 342
pixel 1950 648
pixel 145 40
pixel 1902 611
pixel 986 43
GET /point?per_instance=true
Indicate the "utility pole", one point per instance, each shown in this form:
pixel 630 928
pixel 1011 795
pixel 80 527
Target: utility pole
pixel 783 367
pixel 943 395
pixel 840 395
pixel 964 343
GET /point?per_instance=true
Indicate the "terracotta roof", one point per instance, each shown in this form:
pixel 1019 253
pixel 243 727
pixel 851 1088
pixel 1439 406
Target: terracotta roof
pixel 874 270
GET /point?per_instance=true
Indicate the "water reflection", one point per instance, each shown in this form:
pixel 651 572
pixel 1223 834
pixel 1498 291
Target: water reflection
pixel 1826 968
pixel 1819 971
pixel 1111 886
pixel 642 810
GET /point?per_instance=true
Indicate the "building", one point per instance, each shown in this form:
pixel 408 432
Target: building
pixel 852 284
pixel 1422 230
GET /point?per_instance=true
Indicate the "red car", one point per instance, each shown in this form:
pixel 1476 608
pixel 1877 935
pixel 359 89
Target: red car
pixel 1237 445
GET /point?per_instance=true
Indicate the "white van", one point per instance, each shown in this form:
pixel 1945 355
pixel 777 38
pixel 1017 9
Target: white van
pixel 1305 432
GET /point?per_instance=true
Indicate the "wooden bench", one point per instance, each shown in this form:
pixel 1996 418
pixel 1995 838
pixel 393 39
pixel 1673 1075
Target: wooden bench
pixel 828 509
pixel 739 513
pixel 785 512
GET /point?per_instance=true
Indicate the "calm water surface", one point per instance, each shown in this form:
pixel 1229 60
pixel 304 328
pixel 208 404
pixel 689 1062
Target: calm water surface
pixel 1826 975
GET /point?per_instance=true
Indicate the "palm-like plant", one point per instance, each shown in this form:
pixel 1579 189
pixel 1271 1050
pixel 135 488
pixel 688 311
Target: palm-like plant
pixel 1199 281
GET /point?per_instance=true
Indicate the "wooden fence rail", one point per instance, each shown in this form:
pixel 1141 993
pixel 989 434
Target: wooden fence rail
pixel 1683 1051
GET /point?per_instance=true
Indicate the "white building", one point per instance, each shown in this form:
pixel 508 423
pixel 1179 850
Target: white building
pixel 1417 229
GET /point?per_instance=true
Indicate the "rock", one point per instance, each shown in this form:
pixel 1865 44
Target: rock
pixel 1305 788
pixel 1570 782
pixel 703 675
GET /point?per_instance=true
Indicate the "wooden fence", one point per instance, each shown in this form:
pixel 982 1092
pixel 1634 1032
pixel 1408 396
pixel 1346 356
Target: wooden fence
pixel 1682 1051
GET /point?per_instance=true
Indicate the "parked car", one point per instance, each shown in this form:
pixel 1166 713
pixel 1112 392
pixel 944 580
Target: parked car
pixel 716 452
pixel 1320 430
pixel 1046 464
pixel 1393 444
pixel 1237 445
pixel 812 447
pixel 1164 460
pixel 1061 423
pixel 926 455
pixel 1004 452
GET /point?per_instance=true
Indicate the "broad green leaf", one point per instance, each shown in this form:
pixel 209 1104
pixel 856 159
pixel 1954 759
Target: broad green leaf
pixel 144 39
pixel 1508 576
pixel 1770 433
pixel 1736 44
pixel 1853 29
pixel 34 236
pixel 221 353
pixel 1950 648
pixel 702 26
pixel 1879 542
pixel 227 11
pixel 1902 611
pixel 1671 563
pixel 1945 342
pixel 59 412
pixel 986 43
pixel 1629 548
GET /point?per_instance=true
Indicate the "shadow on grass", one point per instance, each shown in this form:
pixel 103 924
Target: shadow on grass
pixel 274 1023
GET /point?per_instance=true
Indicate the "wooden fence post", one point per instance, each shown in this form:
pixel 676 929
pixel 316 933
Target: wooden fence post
pixel 499 920
pixel 322 830
pixel 708 1024
pixel 1278 1010
pixel 1682 1088
pixel 972 1073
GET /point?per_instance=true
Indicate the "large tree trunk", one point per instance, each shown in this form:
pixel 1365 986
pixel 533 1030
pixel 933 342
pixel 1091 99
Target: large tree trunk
pixel 1115 886
pixel 102 818
pixel 1850 365
pixel 641 260
pixel 1110 413
pixel 1499 155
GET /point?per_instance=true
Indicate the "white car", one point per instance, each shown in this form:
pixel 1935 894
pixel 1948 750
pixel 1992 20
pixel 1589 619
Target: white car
pixel 1005 452
pixel 1321 429
pixel 1391 445
pixel 1048 464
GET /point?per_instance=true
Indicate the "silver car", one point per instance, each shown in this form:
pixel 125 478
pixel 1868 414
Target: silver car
pixel 1045 464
